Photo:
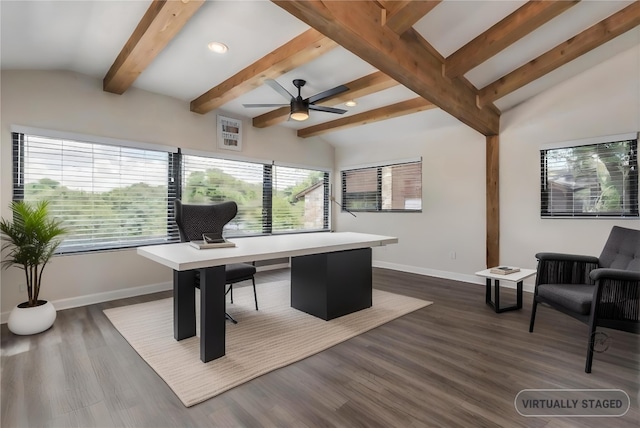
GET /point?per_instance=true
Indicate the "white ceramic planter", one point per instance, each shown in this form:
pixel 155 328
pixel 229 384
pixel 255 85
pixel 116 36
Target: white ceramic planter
pixel 25 321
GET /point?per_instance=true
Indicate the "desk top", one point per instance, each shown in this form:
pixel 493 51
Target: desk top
pixel 182 256
pixel 515 277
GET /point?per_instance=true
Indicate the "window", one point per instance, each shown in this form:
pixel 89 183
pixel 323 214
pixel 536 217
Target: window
pixel 206 180
pixel 395 187
pixel 108 196
pixel 594 180
pixel 271 198
pixel 300 199
pixel 113 194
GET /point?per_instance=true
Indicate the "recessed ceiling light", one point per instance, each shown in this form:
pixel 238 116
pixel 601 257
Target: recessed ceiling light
pixel 351 103
pixel 218 47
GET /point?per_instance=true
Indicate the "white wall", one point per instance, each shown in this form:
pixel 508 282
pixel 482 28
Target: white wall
pixel 604 100
pixel 453 198
pixel 75 103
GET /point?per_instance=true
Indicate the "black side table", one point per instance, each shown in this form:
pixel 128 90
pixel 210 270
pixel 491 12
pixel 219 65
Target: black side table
pixel 517 277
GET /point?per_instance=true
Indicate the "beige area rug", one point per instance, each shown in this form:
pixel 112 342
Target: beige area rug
pixel 262 341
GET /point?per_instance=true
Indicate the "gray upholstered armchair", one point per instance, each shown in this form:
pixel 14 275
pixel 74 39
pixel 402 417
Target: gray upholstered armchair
pixel 599 291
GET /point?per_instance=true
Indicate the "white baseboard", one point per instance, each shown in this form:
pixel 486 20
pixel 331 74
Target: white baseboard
pixel 106 296
pixel 91 299
pixel 473 279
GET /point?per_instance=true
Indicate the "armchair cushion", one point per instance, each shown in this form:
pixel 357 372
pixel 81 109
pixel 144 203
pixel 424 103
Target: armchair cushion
pixel 622 250
pixel 575 298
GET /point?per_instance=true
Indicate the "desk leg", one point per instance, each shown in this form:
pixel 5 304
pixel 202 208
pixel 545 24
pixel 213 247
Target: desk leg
pixel 184 304
pixel 212 318
pixel 496 299
pixel 519 295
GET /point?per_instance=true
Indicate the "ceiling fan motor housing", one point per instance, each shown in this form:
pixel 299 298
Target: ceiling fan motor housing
pixel 299 109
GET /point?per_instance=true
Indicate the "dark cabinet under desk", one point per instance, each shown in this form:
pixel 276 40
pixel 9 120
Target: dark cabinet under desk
pixel 330 285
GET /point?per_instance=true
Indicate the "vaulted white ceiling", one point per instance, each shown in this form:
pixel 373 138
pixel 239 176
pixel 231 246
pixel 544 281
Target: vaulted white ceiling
pixel 87 36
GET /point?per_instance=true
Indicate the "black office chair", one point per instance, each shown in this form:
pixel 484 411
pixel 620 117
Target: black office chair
pixel 195 219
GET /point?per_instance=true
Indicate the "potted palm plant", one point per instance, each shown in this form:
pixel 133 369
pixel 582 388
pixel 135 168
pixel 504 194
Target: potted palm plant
pixel 31 239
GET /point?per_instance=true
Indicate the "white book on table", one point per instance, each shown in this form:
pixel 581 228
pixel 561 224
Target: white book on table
pixel 202 245
pixel 504 270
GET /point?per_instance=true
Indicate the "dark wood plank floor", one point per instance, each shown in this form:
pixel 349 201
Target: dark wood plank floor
pixel 455 363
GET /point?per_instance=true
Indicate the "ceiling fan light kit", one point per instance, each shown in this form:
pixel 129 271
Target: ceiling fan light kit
pixel 300 107
pixel 299 110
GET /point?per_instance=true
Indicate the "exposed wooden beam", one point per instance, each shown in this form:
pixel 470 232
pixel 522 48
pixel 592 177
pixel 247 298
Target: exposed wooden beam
pixel 463 80
pixel 506 32
pixel 361 87
pixel 435 56
pixel 383 113
pixel 493 200
pixel 298 51
pixel 400 15
pixel 160 23
pixel 604 31
pixel 356 27
pixel 491 106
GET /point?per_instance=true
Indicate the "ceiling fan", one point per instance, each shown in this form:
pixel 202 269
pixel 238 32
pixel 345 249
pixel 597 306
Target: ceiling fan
pixel 300 107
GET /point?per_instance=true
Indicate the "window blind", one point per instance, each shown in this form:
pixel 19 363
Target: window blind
pixel 393 187
pixel 300 199
pixel 594 180
pixel 108 196
pixel 114 194
pixel 360 189
pixel 270 198
pixel 207 180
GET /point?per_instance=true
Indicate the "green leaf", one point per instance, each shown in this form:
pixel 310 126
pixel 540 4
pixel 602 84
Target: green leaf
pixel 31 239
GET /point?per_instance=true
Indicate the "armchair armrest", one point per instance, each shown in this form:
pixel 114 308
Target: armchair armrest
pixel 614 274
pixel 561 257
pixel 617 298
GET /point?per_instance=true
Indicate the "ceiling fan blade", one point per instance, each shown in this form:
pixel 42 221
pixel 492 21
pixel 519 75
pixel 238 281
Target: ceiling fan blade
pixel 279 88
pixel 327 109
pixel 264 105
pixel 326 94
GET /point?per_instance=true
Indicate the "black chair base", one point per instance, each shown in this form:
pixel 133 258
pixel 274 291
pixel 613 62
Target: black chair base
pixel 255 295
pixel 230 292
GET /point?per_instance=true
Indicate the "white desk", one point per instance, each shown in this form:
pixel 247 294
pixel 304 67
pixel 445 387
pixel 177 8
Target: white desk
pixel 516 277
pixel 330 277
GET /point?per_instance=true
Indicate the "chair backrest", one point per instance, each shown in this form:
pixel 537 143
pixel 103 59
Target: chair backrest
pixel 622 250
pixel 195 219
